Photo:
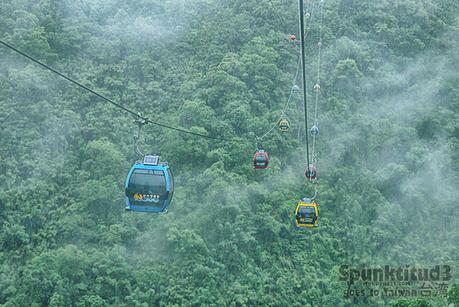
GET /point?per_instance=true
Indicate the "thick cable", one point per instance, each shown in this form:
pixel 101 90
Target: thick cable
pixel 303 64
pixel 318 90
pixel 286 104
pixel 135 114
pixel 284 111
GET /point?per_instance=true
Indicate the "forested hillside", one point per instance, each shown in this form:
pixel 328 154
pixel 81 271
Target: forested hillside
pixel 388 150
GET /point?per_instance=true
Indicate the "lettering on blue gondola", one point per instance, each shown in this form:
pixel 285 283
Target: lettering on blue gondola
pixel 146 197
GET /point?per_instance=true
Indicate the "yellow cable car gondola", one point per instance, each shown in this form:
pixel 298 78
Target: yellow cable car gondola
pixel 284 125
pixel 306 214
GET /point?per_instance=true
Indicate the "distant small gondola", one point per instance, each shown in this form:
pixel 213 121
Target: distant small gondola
pixel 284 125
pixel 311 172
pixel 315 131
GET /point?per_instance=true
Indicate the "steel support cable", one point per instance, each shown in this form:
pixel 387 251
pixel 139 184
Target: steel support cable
pixel 311 15
pixel 136 138
pixel 144 118
pixel 303 64
pixel 290 96
pixel 135 114
pixel 318 89
pixel 286 104
pixel 277 14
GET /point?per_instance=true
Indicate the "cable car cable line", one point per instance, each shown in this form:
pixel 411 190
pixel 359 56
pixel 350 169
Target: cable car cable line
pixel 144 118
pixel 260 158
pixel 149 186
pixel 303 66
pixel 307 210
pixel 137 150
pixel 285 106
pixel 292 90
pixel 315 128
pixel 116 104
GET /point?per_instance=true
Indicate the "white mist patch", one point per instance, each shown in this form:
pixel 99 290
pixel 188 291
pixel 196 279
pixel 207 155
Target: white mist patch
pixel 423 209
pixel 142 25
pixel 35 110
pixel 136 29
pixel 51 148
pixel 409 92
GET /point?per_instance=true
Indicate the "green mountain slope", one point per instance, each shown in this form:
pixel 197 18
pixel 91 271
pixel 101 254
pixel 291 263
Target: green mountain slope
pixel 388 152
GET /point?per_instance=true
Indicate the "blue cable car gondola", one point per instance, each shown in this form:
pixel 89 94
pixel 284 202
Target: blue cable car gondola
pixel 149 186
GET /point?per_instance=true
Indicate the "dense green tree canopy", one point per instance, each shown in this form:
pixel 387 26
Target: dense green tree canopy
pixel 388 152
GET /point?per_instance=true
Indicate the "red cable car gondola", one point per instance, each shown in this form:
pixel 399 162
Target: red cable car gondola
pixel 311 172
pixel 260 159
